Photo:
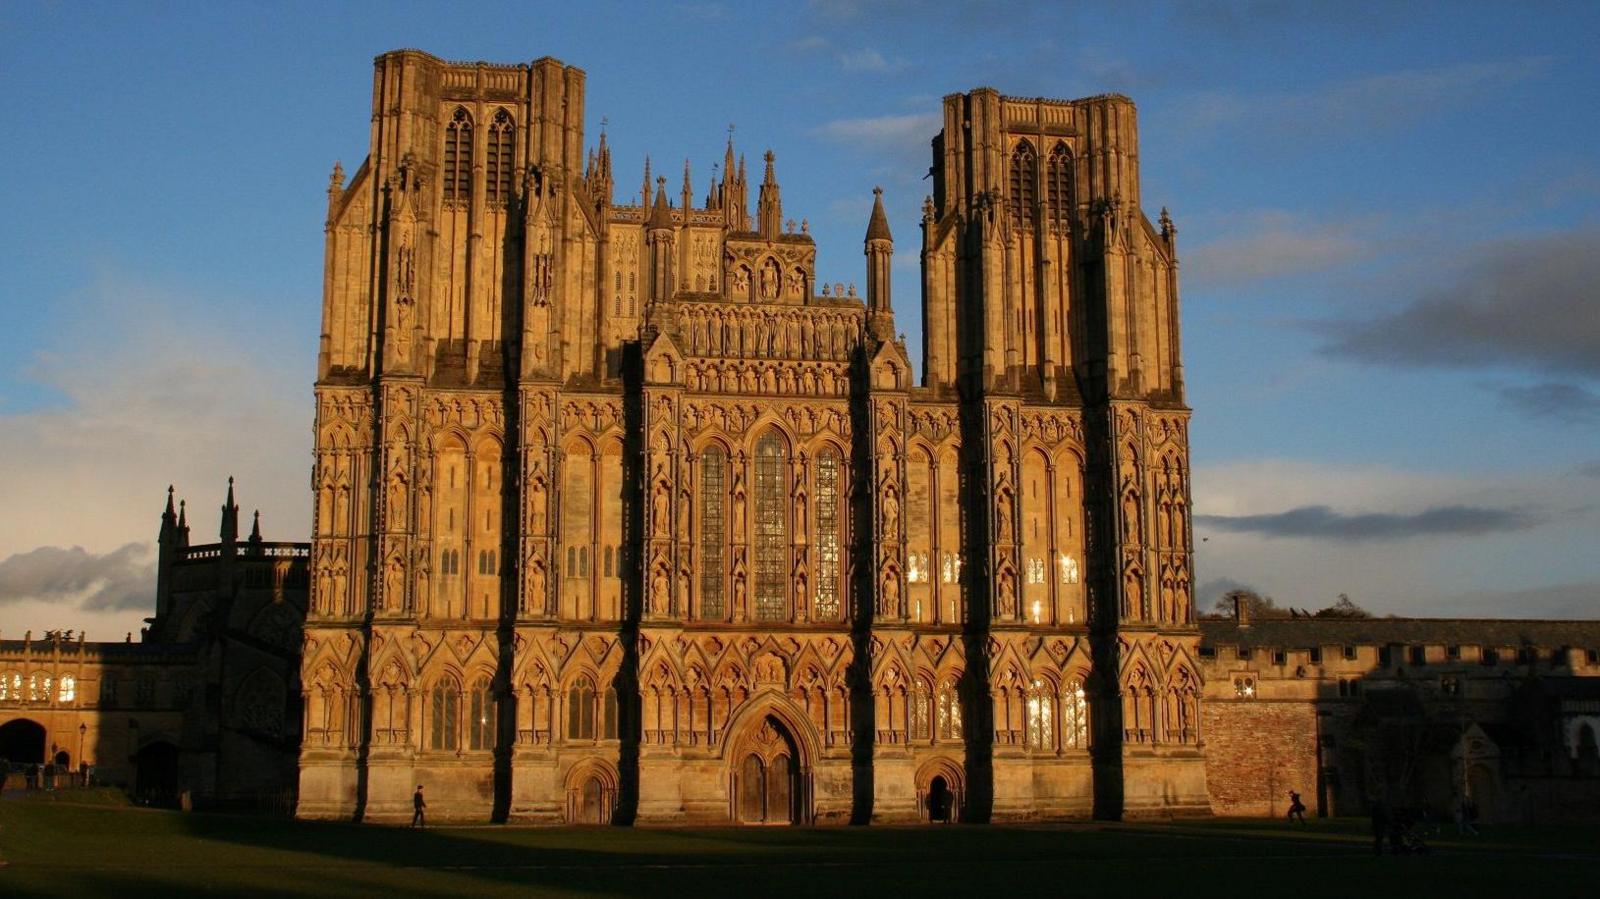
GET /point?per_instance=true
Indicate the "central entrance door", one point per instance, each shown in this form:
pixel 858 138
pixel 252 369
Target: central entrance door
pixel 766 781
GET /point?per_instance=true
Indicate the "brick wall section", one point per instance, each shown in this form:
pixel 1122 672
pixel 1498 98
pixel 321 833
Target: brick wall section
pixel 1256 752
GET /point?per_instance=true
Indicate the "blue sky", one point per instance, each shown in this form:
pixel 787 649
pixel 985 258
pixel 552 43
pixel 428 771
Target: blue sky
pixel 1389 221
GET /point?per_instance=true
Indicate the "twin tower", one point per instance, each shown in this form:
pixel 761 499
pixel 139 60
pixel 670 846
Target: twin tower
pixel 622 516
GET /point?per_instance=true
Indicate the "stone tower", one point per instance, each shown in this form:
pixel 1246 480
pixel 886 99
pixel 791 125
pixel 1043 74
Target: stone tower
pixel 1051 311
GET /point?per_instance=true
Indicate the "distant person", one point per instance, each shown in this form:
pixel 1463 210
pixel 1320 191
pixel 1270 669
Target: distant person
pixel 88 775
pixel 50 777
pixel 417 805
pixel 30 776
pixel 1466 816
pixel 1297 809
pixel 83 774
pixel 1380 825
pixel 5 772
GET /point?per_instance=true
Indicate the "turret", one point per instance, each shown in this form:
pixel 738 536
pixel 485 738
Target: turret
pixel 255 527
pixel 658 235
pixel 879 248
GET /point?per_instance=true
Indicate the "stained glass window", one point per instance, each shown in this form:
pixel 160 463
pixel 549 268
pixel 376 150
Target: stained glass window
pixel 827 607
pixel 772 531
pixel 713 534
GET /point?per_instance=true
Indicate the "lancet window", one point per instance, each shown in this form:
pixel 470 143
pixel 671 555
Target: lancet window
pixel 1058 185
pixel 481 721
pixel 457 173
pixel 772 531
pixel 580 710
pixel 1041 728
pixel 446 702
pixel 1024 183
pixel 949 722
pixel 713 534
pixel 827 535
pixel 1074 716
pixel 499 161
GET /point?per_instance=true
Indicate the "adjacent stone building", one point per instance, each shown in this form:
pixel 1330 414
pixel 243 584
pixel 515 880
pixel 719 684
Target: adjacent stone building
pixel 206 702
pixel 624 512
pixel 1420 712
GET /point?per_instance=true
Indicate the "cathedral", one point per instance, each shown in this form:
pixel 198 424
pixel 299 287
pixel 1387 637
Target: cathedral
pixel 622 515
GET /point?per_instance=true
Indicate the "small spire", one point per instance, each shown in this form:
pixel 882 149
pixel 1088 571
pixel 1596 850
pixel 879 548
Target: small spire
pixel 230 517
pixel 169 512
pixel 255 527
pixel 1168 229
pixel 768 178
pixel 336 179
pixel 183 514
pixel 644 194
pixel 878 224
pixel 661 213
pixel 688 187
pixel 927 209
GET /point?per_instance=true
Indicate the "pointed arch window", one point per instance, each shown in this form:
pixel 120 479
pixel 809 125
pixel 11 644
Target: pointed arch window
pixel 481 719
pixel 921 711
pixel 1074 716
pixel 457 168
pixel 497 166
pixel 1024 183
pixel 772 531
pixel 580 710
pixel 713 534
pixel 827 603
pixel 1058 185
pixel 446 702
pixel 1041 727
pixel 949 721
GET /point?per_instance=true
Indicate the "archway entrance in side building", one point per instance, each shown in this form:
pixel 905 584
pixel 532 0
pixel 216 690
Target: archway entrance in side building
pixel 22 742
pixel 939 790
pixel 156 773
pixel 768 787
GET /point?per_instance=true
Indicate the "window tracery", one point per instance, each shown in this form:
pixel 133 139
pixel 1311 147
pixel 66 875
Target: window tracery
pixel 1024 180
pixel 446 702
pixel 499 161
pixel 1058 185
pixel 481 720
pixel 772 531
pixel 827 601
pixel 712 534
pixel 457 169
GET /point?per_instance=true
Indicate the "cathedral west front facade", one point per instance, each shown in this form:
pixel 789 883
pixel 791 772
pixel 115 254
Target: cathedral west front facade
pixel 622 514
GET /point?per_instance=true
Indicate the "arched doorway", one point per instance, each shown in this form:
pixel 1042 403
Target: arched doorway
pixel 591 793
pixel 939 790
pixel 156 773
pixel 939 800
pixel 767 786
pixel 22 742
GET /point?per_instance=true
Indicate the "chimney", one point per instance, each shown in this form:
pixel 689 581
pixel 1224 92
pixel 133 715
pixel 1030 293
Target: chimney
pixel 1241 609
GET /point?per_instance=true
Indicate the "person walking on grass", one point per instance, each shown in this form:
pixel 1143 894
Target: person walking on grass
pixel 417 805
pixel 1380 825
pixel 1297 809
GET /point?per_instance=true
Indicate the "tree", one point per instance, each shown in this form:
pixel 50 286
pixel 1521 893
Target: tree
pixel 1256 605
pixel 1344 608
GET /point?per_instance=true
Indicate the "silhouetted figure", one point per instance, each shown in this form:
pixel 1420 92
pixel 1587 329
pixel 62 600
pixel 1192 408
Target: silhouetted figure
pixel 1380 825
pixel 1466 818
pixel 1297 809
pixel 417 805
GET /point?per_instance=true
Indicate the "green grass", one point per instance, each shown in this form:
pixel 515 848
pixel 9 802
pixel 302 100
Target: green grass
pixel 55 847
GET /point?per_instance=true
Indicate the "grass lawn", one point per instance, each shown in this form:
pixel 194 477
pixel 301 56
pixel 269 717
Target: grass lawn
pixel 67 846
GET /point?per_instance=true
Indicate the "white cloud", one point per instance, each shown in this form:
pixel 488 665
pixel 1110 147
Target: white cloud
pixel 885 132
pixel 1267 244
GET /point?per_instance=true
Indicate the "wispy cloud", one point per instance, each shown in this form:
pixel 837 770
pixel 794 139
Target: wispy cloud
pixel 121 579
pixel 1275 244
pixel 1525 303
pixel 1322 522
pixel 1382 100
pixel 882 132
pixel 1554 400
